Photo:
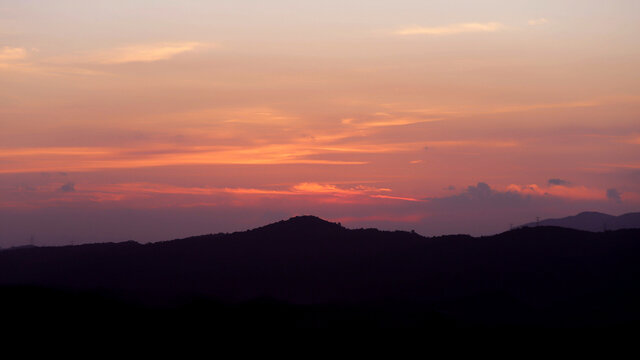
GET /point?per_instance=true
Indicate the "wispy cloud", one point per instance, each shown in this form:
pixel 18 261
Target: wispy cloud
pixel 20 60
pixel 8 53
pixel 523 108
pixel 143 191
pixel 395 197
pixel 87 159
pixel 473 143
pixel 386 120
pixel 452 29
pixel 319 188
pixel 539 21
pixel 558 190
pixel 12 58
pixel 632 140
pixel 143 52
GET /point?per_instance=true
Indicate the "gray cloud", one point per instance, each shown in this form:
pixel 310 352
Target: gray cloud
pixel 556 181
pixel 68 187
pixel 613 194
pixel 480 195
pixel 480 191
pixel 25 187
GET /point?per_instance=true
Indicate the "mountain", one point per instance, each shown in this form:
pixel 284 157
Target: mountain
pixel 594 221
pixel 312 272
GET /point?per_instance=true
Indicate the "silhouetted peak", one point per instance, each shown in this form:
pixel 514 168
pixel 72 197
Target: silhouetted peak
pixel 593 214
pixel 303 223
pixel 308 220
pixel 593 221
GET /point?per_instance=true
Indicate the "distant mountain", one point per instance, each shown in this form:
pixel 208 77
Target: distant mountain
pixel 539 276
pixel 594 221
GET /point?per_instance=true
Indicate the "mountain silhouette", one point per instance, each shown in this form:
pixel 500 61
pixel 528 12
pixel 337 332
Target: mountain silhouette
pixel 538 276
pixel 594 221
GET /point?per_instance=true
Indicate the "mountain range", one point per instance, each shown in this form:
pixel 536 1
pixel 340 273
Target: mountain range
pixel 312 270
pixel 594 221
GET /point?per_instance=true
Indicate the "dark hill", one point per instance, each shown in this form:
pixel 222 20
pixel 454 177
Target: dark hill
pixel 302 225
pixel 594 221
pixel 542 276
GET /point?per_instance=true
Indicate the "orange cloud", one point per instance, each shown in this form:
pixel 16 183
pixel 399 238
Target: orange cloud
pixel 317 188
pixel 88 159
pixel 12 53
pixel 14 59
pixel 141 190
pixel 622 165
pixel 141 53
pixel 568 192
pixel 395 197
pixel 632 140
pixel 388 121
pixel 474 143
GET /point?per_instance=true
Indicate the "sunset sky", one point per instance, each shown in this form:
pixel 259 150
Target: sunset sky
pixel 152 120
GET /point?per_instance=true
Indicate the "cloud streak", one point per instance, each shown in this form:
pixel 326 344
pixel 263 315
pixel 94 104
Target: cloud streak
pixel 143 53
pixel 387 121
pixel 564 191
pixel 452 29
pixel 18 60
pixel 89 159
pixel 157 195
pixel 539 21
pixel 68 187
pixel 556 181
pixel 12 53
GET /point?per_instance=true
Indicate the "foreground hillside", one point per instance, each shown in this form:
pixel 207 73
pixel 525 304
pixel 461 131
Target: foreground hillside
pixel 309 272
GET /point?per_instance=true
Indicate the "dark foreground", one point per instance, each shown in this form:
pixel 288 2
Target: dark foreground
pixel 308 273
pixel 49 310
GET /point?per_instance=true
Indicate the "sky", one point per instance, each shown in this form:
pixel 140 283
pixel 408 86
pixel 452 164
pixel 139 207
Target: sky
pixel 153 120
